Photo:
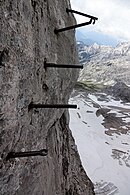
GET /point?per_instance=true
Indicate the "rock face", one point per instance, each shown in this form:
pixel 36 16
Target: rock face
pixel 120 90
pixel 26 39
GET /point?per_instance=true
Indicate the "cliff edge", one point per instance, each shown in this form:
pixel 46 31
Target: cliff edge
pixel 27 38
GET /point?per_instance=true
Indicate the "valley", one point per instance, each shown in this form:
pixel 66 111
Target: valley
pixel 101 124
pixel 101 128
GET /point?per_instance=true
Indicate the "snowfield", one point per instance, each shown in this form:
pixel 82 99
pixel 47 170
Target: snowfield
pixel 101 129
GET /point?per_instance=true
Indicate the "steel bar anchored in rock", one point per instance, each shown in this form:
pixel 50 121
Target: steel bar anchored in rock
pixel 82 14
pixel 46 65
pixel 56 31
pixel 42 152
pixel 92 19
pixel 32 105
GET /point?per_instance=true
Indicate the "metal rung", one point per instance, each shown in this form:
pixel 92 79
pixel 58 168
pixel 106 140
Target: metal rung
pixel 80 13
pixel 56 31
pixel 50 65
pixel 32 105
pixel 42 152
pixel 92 20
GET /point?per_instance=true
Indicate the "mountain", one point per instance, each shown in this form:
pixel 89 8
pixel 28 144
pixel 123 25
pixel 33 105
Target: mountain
pixel 105 64
pixel 91 37
pixel 26 38
pixel 101 124
pixel 80 36
pixel 101 128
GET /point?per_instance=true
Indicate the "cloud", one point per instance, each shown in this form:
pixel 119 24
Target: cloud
pixel 113 16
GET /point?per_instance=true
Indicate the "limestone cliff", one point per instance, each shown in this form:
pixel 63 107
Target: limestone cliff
pixel 26 39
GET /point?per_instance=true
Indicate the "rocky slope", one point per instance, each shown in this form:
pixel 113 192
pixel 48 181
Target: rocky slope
pixel 101 128
pixel 105 64
pixel 26 39
pixel 101 125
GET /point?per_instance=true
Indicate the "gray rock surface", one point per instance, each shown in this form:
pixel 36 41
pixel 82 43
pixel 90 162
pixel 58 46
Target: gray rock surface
pixel 26 39
pixel 120 90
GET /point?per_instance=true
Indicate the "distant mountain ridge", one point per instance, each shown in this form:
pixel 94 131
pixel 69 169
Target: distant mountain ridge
pixel 91 37
pixel 105 63
pixel 103 51
pixel 81 37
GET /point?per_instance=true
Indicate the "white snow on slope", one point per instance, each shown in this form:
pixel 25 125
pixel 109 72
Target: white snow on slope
pixel 106 159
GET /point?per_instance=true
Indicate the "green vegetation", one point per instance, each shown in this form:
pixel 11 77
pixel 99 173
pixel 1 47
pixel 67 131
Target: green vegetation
pixel 90 85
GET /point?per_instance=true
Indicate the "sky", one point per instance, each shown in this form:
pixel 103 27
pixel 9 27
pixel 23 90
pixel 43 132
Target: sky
pixel 113 17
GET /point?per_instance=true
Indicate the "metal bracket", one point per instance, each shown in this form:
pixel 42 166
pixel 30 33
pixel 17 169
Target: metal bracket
pixel 92 21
